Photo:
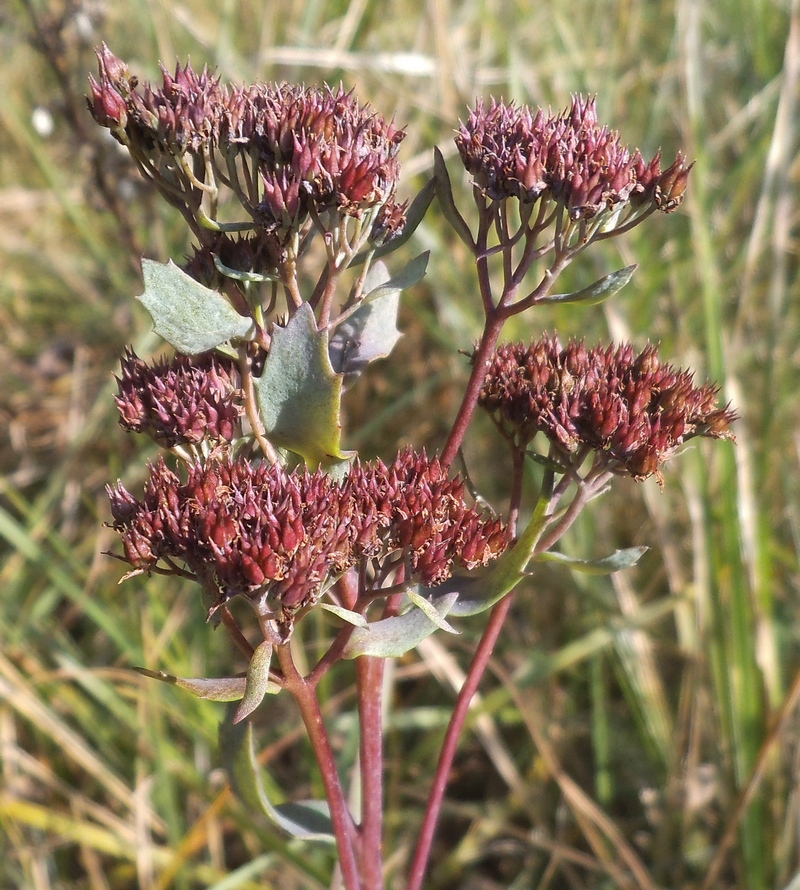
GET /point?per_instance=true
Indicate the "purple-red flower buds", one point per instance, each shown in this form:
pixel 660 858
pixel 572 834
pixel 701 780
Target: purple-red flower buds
pixel 514 152
pixel 311 149
pixel 265 532
pixel 627 407
pixel 183 401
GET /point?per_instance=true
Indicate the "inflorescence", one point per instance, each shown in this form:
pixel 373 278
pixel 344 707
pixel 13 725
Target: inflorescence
pixel 628 408
pixel 287 152
pixel 512 151
pixel 280 537
pixel 183 401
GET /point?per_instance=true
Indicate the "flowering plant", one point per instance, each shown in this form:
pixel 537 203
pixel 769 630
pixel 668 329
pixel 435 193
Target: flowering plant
pixel 282 304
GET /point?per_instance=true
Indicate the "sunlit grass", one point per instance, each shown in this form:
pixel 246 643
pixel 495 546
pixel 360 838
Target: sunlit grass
pixel 624 717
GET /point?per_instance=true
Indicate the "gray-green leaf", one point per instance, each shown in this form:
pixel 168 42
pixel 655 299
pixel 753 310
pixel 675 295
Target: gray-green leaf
pixel 393 637
pixel 191 317
pixel 614 562
pixel 307 820
pixel 257 681
pixel 371 331
pixel 595 293
pixel 299 393
pixel 211 688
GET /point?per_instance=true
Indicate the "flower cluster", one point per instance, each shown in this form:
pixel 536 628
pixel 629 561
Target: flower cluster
pixel 182 401
pixel 513 152
pixel 628 408
pixel 256 255
pixel 279 536
pixel 311 149
pixel 319 149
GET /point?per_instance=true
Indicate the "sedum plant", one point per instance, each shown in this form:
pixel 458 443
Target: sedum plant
pixel 290 194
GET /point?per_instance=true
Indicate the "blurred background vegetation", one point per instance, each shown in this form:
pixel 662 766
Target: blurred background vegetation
pixel 639 731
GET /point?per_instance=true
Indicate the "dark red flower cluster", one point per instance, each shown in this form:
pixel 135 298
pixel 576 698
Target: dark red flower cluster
pixel 314 149
pixel 181 401
pixel 319 149
pixel 513 152
pixel 627 407
pixel 182 116
pixel 256 254
pixel 278 536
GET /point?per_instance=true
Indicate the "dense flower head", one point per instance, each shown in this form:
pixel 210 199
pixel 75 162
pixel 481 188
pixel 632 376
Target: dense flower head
pixel 181 401
pixel 318 147
pixel 267 533
pixel 512 151
pixel 627 407
pixel 313 149
pixel 257 254
pixel 182 115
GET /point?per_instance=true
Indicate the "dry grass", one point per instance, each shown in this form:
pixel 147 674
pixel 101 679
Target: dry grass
pixel 636 732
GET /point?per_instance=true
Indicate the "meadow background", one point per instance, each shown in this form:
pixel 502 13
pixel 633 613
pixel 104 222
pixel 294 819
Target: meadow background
pixel 638 731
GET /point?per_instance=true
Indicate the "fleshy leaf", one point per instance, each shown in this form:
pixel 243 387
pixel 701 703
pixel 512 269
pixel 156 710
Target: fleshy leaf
pixel 191 317
pixel 601 290
pixel 257 681
pixel 444 192
pixel 371 331
pixel 307 820
pixel 614 562
pixel 480 592
pixel 212 688
pixel 425 605
pixel 299 394
pixel 410 275
pixel 393 637
pixel 476 594
pixel 355 618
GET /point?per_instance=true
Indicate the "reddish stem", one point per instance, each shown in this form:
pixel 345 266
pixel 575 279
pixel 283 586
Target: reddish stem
pixel 476 670
pixel 369 677
pixel 491 332
pixel 343 826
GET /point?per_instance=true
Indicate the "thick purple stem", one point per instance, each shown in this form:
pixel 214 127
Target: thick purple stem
pixel 369 677
pixel 448 752
pixel 343 826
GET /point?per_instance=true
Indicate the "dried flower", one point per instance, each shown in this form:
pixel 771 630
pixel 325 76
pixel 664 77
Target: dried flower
pixel 513 152
pixel 281 537
pixel 181 401
pixel 182 116
pixel 287 151
pixel 628 408
pixel 319 149
pixel 257 255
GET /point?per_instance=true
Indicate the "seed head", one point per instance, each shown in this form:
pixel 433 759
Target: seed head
pixel 512 151
pixel 278 536
pixel 181 401
pixel 628 408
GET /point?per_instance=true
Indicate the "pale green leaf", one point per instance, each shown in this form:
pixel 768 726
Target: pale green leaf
pixel 191 317
pixel 257 681
pixel 355 618
pixel 595 293
pixel 306 820
pixel 393 637
pixel 614 562
pixel 425 605
pixel 299 394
